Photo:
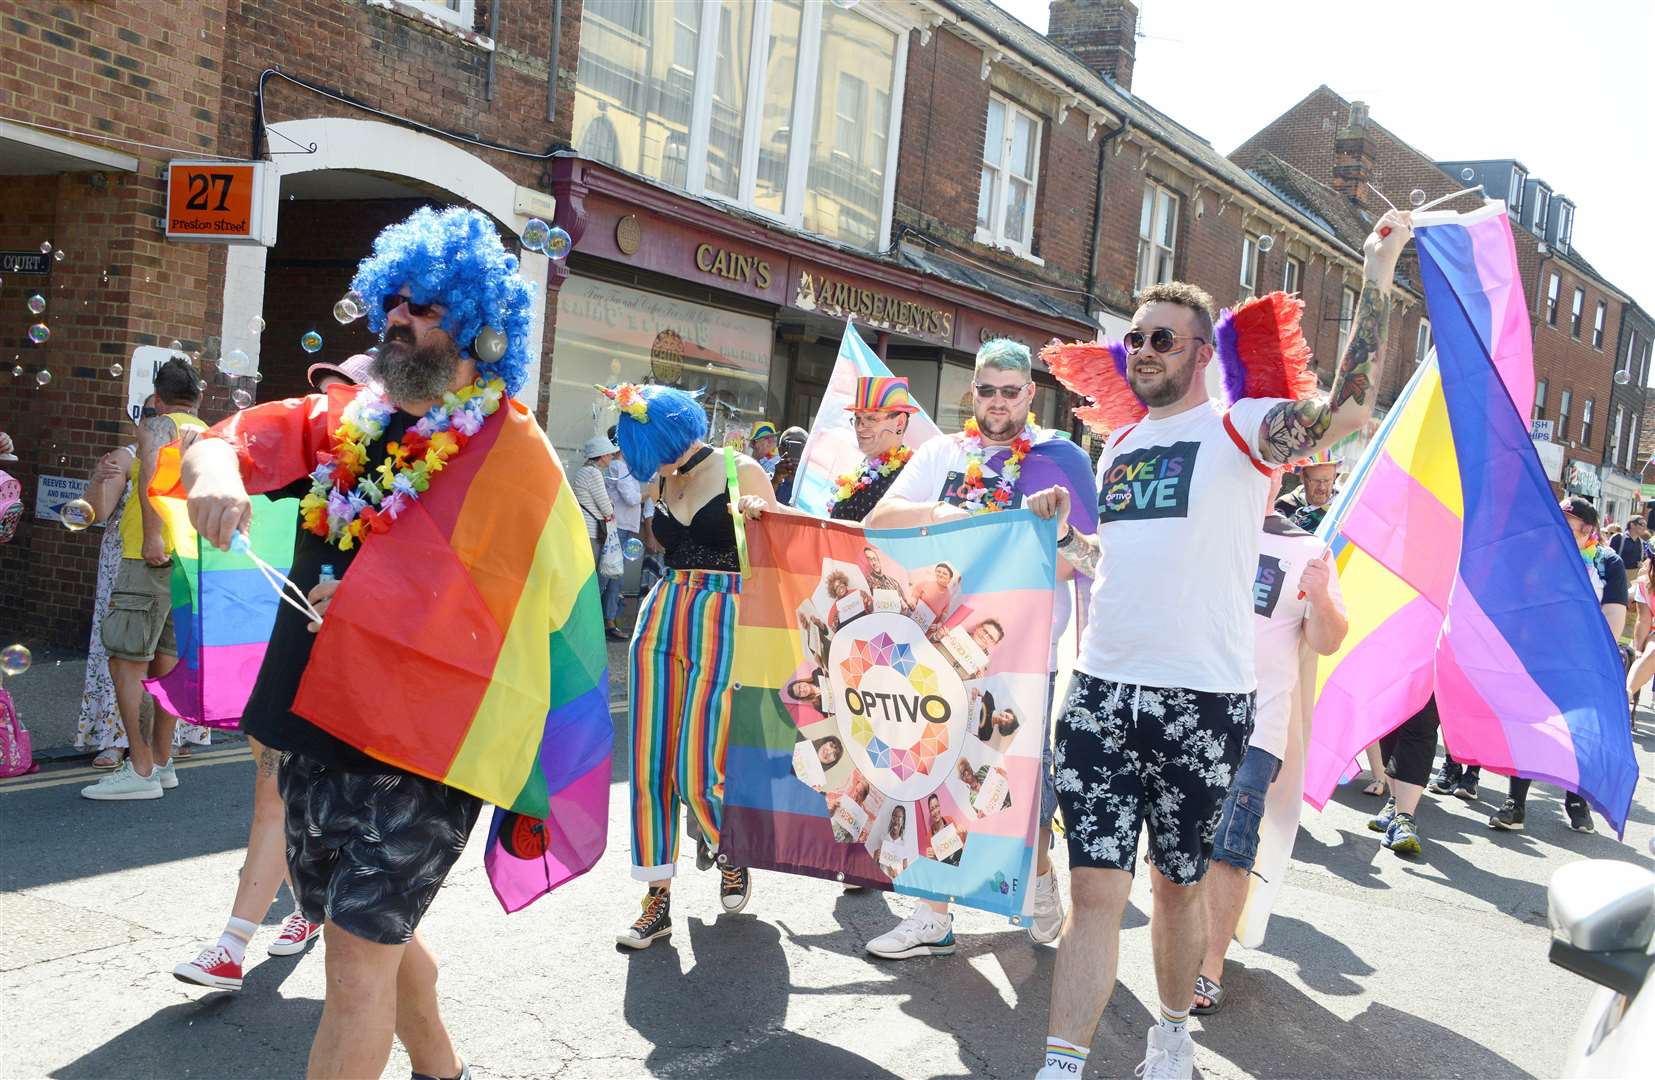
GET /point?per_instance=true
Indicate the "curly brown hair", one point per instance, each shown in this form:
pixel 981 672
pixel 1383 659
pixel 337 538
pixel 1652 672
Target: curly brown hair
pixel 1184 295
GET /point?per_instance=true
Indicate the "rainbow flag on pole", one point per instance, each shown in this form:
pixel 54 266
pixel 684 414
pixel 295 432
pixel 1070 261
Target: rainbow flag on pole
pixel 1461 578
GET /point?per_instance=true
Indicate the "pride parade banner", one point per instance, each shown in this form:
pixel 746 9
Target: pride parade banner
pixel 890 702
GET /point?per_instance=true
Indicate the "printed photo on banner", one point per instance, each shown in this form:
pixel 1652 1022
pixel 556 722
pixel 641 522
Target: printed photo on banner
pixel 843 595
pixel 941 838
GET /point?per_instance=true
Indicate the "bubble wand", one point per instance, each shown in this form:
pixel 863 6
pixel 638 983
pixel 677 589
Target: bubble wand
pixel 290 593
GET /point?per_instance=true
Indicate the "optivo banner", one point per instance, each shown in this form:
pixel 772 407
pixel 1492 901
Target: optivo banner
pixel 889 705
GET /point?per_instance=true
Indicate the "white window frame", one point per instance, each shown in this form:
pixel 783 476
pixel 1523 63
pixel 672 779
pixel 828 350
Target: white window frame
pixel 1540 399
pixel 1422 341
pixel 994 235
pixel 1632 443
pixel 1620 418
pixel 1565 225
pixel 1154 189
pixel 1249 265
pixel 1514 199
pixel 1347 319
pixel 1563 404
pixel 1597 325
pixel 1542 209
pixel 463 15
pixel 1586 423
pixel 1577 312
pixel 1291 272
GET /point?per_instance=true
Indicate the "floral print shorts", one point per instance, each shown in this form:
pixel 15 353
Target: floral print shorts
pixel 1129 754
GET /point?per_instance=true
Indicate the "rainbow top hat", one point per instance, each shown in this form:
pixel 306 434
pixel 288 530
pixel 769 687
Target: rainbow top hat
pixel 882 393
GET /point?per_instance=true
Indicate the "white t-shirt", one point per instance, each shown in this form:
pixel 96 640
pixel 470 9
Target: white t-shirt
pixel 1279 616
pixel 1179 503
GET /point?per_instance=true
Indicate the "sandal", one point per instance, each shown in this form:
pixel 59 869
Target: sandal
pixel 1214 993
pixel 1376 787
pixel 108 759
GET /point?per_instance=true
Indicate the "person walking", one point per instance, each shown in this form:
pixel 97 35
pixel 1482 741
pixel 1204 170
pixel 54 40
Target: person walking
pixel 592 493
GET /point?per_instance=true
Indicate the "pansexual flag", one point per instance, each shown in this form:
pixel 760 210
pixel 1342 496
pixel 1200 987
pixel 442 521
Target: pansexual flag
pixel 1459 573
pixel 890 698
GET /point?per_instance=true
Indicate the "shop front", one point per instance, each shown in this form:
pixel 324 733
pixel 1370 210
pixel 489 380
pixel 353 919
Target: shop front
pixel 1620 495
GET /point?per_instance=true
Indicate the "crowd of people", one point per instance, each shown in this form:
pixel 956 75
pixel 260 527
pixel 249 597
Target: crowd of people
pixel 1181 720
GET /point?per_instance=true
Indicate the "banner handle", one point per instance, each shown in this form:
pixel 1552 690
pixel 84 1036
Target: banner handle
pixel 740 519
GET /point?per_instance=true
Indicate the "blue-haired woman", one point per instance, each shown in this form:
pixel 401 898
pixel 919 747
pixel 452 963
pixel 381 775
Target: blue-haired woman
pixel 682 645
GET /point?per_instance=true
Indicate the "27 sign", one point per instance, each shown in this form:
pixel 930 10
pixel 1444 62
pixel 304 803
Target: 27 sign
pixel 221 201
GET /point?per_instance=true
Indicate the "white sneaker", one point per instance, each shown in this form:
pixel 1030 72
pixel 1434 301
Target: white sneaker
pixel 1167 1056
pixel 1048 909
pixel 924 933
pixel 167 775
pixel 124 783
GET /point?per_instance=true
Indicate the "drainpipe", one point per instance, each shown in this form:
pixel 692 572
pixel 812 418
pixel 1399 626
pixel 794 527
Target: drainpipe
pixel 557 47
pixel 1097 211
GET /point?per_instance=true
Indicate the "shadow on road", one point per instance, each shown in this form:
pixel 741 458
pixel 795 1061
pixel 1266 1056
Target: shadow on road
pixel 1325 963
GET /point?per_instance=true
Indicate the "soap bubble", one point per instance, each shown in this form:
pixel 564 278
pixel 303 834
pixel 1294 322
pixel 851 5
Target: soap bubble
pixel 1416 197
pixel 15 659
pixel 45 247
pixel 37 304
pixel 310 341
pixel 558 243
pixel 57 255
pixel 1468 174
pixel 633 549
pixel 535 234
pixel 116 370
pixel 40 333
pixel 235 362
pixel 201 385
pixel 1266 242
pixel 346 311
pixel 1622 377
pixel 257 376
pixel 240 398
pixel 175 345
pixel 17 371
pixel 104 277
pixel 256 325
pixel 77 514
pixel 42 377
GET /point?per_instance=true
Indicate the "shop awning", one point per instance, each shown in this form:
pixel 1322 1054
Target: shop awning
pixel 929 262
pixel 29 151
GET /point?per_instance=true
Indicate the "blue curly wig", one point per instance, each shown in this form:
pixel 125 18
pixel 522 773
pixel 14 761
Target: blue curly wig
pixel 676 421
pixel 454 257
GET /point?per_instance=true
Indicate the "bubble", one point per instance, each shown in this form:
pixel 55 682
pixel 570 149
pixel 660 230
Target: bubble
pixel 45 247
pixel 1266 242
pixel 175 345
pixel 37 304
pixel 535 234
pixel 256 325
pixel 104 277
pixel 40 333
pixel 1416 197
pixel 345 311
pixel 17 371
pixel 257 376
pixel 240 398
pixel 633 549
pixel 116 370
pixel 310 341
pixel 57 256
pixel 201 385
pixel 1622 377
pixel 373 351
pixel 77 514
pixel 558 243
pixel 1468 173
pixel 42 377
pixel 235 362
pixel 15 659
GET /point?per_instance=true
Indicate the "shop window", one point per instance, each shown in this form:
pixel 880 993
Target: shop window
pixel 612 333
pixel 1422 341
pixel 1157 231
pixel 708 95
pixel 1009 178
pixel 956 400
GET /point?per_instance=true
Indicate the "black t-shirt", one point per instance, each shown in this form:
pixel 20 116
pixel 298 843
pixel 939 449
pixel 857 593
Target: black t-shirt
pixel 1612 573
pixel 269 717
pixel 1631 552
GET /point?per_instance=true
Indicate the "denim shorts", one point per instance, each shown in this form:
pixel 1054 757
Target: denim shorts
pixel 1236 841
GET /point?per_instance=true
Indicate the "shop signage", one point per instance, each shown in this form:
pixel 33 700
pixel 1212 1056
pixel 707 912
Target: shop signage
pixel 882 310
pixel 733 266
pixel 56 492
pixel 1540 430
pixel 1582 479
pixel 24 262
pixel 987 334
pixel 146 360
pixel 225 202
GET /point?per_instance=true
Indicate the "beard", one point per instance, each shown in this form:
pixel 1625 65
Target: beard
pixel 1167 389
pixel 1000 430
pixel 414 372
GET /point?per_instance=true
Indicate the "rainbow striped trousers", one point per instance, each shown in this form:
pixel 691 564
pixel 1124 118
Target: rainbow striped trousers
pixel 681 656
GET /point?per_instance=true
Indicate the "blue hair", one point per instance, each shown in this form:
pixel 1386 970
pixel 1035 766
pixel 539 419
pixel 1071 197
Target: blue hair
pixel 1004 354
pixel 676 421
pixel 454 257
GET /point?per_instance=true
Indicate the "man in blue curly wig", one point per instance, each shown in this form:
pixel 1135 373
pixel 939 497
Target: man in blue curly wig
pixel 438 549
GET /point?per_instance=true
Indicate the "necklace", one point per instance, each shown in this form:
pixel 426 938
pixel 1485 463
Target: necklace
pixel 343 505
pixel 976 498
pixel 872 469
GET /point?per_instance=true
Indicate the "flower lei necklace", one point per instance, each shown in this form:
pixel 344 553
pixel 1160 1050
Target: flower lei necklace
pixel 344 506
pixel 975 497
pixel 872 469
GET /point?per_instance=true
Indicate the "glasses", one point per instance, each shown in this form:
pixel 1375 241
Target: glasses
pixel 392 301
pixel 1010 393
pixel 1160 339
pixel 869 419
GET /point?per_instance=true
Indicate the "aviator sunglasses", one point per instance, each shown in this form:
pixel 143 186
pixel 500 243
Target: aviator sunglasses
pixel 1010 393
pixel 1160 339
pixel 391 301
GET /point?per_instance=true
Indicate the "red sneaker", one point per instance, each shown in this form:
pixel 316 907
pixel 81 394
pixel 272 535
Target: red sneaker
pixel 296 934
pixel 213 968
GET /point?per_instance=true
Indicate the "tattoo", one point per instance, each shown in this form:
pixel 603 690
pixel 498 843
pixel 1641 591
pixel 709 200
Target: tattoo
pixel 268 760
pixel 1293 429
pixel 160 428
pixel 1083 553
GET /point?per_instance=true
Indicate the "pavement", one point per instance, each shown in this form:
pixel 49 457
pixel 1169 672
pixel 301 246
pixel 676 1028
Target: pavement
pixel 1374 965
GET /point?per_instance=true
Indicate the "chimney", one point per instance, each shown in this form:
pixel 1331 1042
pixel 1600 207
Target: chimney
pixel 1353 156
pixel 1101 33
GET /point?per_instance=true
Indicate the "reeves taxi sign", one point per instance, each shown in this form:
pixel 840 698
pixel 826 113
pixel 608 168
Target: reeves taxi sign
pixel 221 201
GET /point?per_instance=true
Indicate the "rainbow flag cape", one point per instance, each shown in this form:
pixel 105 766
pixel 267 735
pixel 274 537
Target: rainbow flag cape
pixel 887 714
pixel 466 643
pixel 1461 578
pixel 222 609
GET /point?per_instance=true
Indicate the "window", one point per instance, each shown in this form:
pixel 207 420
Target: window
pixel 1632 443
pixel 1563 415
pixel 1552 285
pixel 1347 314
pixel 1586 424
pixel 1575 310
pixel 1614 446
pixel 1597 325
pixel 1291 270
pixel 1540 400
pixel 1542 206
pixel 1514 196
pixel 1565 224
pixel 1011 163
pixel 1157 231
pixel 1422 341
pixel 708 96
pixel 461 13
pixel 1249 266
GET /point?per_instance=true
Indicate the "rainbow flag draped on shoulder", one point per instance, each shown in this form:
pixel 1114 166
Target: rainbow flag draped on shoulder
pixel 465 643
pixel 1461 578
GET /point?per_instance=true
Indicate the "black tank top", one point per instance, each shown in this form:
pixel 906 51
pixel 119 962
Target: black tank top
pixel 708 542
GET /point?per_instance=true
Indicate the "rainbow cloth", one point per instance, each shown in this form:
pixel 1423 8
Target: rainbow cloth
pixel 1459 573
pixel 466 644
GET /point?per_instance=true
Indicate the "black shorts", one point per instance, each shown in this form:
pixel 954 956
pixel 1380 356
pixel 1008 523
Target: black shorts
pixel 368 851
pixel 1130 754
pixel 1409 750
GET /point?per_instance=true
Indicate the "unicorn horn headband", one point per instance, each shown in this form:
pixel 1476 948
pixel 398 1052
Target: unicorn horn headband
pixel 628 398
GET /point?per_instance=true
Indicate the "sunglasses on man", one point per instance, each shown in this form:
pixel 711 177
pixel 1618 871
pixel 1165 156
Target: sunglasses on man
pixel 1160 339
pixel 392 301
pixel 1010 393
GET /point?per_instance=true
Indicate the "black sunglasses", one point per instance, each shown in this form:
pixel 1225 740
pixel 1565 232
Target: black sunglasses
pixel 1160 339
pixel 391 301
pixel 1008 392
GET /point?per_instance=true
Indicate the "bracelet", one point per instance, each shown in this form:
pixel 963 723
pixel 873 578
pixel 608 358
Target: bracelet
pixel 1067 541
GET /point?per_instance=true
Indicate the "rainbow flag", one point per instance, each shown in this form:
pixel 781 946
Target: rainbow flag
pixel 223 608
pixel 466 643
pixel 1461 578
pixel 890 695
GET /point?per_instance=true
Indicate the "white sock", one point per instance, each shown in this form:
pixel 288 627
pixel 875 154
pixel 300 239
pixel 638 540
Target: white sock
pixel 1173 1021
pixel 1064 1060
pixel 237 933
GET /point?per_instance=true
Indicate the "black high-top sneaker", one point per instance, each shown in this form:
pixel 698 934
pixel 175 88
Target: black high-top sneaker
pixel 655 922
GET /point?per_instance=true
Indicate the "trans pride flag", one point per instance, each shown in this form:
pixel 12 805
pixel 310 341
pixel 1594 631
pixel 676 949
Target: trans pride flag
pixel 1459 573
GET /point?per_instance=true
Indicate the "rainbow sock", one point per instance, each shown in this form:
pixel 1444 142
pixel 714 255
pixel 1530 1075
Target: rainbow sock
pixel 1172 1020
pixel 237 933
pixel 1064 1060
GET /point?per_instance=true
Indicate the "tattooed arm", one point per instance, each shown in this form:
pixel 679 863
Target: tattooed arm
pixel 1297 429
pixel 154 433
pixel 1078 550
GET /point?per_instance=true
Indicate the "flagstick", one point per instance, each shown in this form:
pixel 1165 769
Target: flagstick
pixel 1452 195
